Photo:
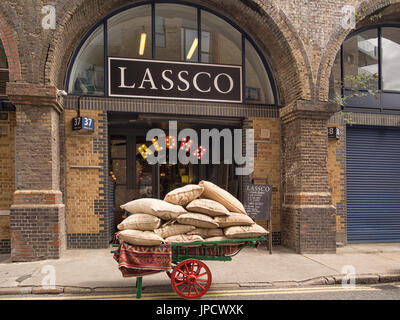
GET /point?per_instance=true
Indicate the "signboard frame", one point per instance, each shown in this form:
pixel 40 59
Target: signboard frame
pixel 197 65
pixel 266 206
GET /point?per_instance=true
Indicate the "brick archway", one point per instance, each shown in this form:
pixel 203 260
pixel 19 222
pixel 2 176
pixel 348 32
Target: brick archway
pixel 364 9
pixel 11 50
pixel 264 22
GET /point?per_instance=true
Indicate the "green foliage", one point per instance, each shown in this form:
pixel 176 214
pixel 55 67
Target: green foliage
pixel 359 86
pixel 372 18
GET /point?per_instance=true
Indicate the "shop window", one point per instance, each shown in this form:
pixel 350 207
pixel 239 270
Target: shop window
pixel 189 44
pixel 335 79
pixel 168 31
pixel 390 58
pixel 258 87
pixel 3 58
pixel 87 74
pixel 361 58
pixel 3 71
pixel 160 32
pixel 129 33
pixel 205 46
pixel 136 178
pixel 180 23
pixel 370 65
pixel 222 43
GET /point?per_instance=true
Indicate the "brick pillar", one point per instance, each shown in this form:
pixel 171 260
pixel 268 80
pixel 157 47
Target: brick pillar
pixel 37 218
pixel 307 218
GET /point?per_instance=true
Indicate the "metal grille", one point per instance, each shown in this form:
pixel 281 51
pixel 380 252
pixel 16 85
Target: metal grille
pixel 373 184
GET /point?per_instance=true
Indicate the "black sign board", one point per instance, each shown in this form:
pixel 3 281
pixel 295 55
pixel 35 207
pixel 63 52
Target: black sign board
pixel 334 132
pixel 138 78
pixel 257 201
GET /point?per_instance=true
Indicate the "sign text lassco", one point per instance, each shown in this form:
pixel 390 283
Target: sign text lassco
pixel 174 80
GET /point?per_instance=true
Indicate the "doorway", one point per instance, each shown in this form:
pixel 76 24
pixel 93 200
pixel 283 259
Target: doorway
pixel 136 178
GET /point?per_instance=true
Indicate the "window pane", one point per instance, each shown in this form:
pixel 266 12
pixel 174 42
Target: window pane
pixel 129 33
pixel 258 87
pixel 118 149
pixel 3 58
pixel 335 78
pixel 221 43
pixel 391 58
pixel 87 75
pixel 361 58
pixel 119 169
pixel 176 32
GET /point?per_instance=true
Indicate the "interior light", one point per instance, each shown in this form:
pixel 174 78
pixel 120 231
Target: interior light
pixel 192 49
pixel 143 37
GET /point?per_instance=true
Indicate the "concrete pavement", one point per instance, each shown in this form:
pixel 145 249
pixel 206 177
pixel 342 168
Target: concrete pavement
pixel 86 271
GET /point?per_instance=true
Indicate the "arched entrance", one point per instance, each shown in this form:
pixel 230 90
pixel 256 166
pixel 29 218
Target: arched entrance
pixel 179 48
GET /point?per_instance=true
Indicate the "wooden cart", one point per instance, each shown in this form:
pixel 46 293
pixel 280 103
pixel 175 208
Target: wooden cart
pixel 190 277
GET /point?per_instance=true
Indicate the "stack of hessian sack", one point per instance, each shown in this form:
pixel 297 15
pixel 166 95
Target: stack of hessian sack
pixel 190 213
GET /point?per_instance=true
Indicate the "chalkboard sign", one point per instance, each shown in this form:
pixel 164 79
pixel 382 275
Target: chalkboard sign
pixel 257 201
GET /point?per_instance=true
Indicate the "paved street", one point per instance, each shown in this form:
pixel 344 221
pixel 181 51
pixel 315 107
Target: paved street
pixel 359 292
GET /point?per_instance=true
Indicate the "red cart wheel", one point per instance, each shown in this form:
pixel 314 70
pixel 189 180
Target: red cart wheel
pixel 169 273
pixel 191 279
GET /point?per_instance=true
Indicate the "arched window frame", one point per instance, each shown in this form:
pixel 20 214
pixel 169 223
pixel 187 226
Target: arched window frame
pixel 385 101
pixel 105 19
pixel 5 105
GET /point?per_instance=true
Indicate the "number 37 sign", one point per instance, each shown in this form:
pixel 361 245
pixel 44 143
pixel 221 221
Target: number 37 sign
pixel 83 123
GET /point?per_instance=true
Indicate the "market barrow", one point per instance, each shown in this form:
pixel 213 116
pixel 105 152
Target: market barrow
pixel 190 277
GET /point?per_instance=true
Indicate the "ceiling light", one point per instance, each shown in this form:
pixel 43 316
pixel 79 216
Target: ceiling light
pixel 143 37
pixel 192 49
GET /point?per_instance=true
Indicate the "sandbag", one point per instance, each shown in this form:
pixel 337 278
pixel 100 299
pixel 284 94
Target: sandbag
pixel 198 220
pixel 207 233
pixel 143 238
pixel 213 192
pixel 207 206
pixel 174 229
pixel 241 232
pixel 234 219
pixel 140 221
pixel 182 196
pixel 156 207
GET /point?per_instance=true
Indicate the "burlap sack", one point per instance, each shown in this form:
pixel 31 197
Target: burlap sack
pixel 213 192
pixel 182 196
pixel 198 220
pixel 156 207
pixel 183 238
pixel 140 221
pixel 241 232
pixel 173 230
pixel 207 233
pixel 234 219
pixel 143 238
pixel 207 206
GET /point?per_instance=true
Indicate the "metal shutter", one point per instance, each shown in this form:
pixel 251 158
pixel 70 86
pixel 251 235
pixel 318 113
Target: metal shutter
pixel 373 184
